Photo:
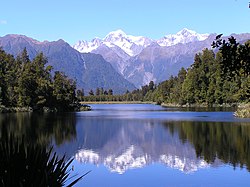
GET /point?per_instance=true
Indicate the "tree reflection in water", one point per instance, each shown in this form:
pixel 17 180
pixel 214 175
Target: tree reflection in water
pixel 40 128
pixel 230 142
pixel 26 156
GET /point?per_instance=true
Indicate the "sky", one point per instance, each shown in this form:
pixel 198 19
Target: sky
pixel 73 20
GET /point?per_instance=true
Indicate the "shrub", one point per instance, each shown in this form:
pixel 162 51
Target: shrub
pixel 31 165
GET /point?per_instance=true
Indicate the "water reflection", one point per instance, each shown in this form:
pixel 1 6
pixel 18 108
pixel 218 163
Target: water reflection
pixel 122 145
pixel 229 142
pixel 40 128
pixel 120 138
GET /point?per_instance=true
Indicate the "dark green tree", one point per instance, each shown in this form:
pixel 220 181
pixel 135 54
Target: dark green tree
pixel 97 92
pixel 80 94
pixel 91 92
pixel 63 91
pixel 110 92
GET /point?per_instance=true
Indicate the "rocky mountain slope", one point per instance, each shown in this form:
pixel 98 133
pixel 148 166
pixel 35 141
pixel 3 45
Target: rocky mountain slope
pixel 118 61
pixel 140 59
pixel 89 70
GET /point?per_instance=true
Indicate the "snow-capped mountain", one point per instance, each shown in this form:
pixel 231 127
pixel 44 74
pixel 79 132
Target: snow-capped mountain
pixel 86 47
pixel 118 48
pixel 184 36
pixel 89 70
pixel 132 45
pixel 141 60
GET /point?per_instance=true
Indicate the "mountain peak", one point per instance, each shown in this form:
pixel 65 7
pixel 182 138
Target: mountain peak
pixel 131 45
pixel 26 38
pixel 114 36
pixel 186 32
pixel 118 32
pixel 184 36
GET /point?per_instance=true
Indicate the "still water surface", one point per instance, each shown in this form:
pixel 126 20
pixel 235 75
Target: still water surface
pixel 141 145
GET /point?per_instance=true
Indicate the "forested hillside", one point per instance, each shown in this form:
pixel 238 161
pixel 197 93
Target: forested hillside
pixel 217 76
pixel 26 83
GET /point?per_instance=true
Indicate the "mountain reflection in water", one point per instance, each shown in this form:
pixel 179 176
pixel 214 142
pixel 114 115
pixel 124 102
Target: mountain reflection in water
pixel 116 137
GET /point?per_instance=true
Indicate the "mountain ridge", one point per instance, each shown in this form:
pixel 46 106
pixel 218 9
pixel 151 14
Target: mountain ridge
pixel 157 60
pixel 133 45
pixel 73 63
pixel 150 60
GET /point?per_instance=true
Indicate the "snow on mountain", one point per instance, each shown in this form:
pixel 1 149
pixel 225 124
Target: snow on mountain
pixel 184 36
pixel 132 45
pixel 86 47
pixel 126 52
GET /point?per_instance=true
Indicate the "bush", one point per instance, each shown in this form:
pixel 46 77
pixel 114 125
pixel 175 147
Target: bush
pixel 243 111
pixel 31 165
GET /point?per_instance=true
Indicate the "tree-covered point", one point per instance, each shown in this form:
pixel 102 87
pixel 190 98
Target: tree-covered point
pixel 218 78
pixel 26 83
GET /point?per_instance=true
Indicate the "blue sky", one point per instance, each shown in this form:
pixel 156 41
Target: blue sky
pixel 73 20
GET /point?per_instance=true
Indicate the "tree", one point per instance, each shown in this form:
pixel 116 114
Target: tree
pixel 42 76
pixel 151 85
pixel 97 92
pixel 1 96
pixel 63 91
pixel 244 58
pixel 101 91
pixel 91 92
pixel 3 74
pixel 25 83
pixel 230 64
pixel 110 92
pixel 105 92
pixel 80 94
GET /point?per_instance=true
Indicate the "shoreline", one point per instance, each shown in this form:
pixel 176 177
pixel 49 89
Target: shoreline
pixel 4 109
pixel 242 110
pixel 117 102
pixel 202 105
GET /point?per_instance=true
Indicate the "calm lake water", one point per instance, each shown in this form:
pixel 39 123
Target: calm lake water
pixel 142 145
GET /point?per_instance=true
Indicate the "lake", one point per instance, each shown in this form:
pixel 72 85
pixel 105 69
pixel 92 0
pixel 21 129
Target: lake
pixel 142 145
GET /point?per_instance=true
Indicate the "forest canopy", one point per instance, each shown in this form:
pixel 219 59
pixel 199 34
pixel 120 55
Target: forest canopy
pixel 26 83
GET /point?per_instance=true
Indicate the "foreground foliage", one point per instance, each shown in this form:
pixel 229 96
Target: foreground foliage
pixel 25 164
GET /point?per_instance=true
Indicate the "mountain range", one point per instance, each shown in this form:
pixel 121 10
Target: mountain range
pixel 140 59
pixel 88 69
pixel 118 61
